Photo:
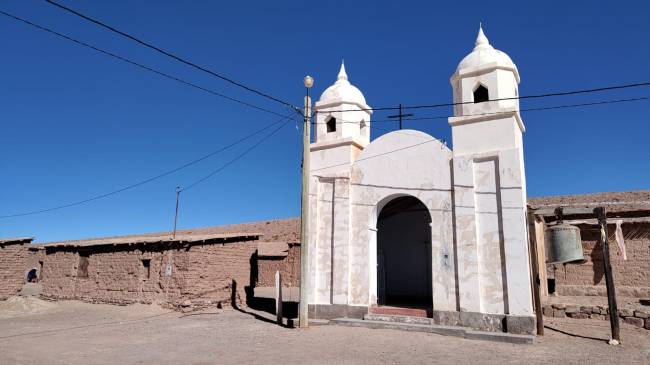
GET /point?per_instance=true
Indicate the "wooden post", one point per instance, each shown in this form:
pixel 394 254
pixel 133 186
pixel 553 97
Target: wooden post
pixel 537 299
pixel 278 297
pixel 609 277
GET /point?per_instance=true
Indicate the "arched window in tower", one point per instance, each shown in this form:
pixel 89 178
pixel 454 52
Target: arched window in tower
pixel 331 125
pixel 481 94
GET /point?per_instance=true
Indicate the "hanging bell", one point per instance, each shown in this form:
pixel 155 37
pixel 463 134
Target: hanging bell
pixel 563 244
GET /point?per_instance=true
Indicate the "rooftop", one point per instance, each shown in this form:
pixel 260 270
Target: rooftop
pixel 15 240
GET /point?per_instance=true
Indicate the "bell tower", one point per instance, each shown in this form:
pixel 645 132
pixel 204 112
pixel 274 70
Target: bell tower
pixel 490 184
pixel 342 125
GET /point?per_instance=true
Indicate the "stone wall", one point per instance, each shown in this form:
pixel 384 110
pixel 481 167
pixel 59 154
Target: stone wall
pixel 15 261
pixel 630 277
pixel 636 317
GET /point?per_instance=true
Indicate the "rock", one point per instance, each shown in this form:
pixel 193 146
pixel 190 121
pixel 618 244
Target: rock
pixel 572 309
pixel 186 303
pixel 559 306
pixel 585 310
pixel 548 311
pixel 578 315
pixel 625 312
pixel 597 316
pixel 641 314
pixel 637 322
pixel 559 313
pixel 647 324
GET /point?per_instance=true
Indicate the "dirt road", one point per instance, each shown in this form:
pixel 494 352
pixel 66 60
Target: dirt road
pixel 79 333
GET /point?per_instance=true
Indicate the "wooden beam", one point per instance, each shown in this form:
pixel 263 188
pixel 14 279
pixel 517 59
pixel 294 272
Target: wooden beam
pixel 537 300
pixel 609 276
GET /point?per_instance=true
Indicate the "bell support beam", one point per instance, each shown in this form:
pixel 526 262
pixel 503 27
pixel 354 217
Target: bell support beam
pixel 587 213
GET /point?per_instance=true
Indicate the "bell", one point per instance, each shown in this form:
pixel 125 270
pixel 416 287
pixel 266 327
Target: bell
pixel 563 244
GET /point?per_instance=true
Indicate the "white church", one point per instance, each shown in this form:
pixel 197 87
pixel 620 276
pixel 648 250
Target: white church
pixel 404 225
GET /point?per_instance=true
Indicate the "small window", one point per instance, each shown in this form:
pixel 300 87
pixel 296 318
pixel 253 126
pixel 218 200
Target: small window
pixel 481 94
pixel 331 125
pixel 82 268
pixel 146 268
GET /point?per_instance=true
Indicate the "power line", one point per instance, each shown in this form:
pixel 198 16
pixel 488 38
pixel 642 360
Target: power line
pixel 134 63
pixel 238 157
pixel 169 172
pixel 537 96
pixel 171 55
pixel 603 102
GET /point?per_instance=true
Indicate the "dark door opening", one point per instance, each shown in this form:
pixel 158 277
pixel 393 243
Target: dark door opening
pixel 404 254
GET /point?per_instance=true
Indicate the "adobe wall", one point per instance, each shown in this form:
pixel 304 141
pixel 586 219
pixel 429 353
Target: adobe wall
pixel 213 269
pixel 289 267
pixel 115 275
pixel 200 273
pixel 15 261
pixel 630 277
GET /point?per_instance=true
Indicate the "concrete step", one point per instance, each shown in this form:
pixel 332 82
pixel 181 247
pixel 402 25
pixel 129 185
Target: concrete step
pixel 397 318
pixel 437 329
pixel 398 311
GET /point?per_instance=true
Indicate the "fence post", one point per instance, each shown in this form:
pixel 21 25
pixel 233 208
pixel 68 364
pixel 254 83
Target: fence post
pixel 278 297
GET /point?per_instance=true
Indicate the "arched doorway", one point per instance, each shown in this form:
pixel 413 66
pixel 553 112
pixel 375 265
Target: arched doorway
pixel 404 254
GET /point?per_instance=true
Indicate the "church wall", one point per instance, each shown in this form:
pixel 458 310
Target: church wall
pixel 489 240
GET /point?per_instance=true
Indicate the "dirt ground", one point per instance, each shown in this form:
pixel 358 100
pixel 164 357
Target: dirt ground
pixel 37 332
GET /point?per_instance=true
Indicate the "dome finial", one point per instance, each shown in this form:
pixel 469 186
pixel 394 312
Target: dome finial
pixel 342 74
pixel 481 39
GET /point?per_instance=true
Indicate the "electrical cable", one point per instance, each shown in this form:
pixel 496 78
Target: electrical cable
pixel 159 176
pixel 238 157
pixel 171 55
pixel 614 101
pixel 134 63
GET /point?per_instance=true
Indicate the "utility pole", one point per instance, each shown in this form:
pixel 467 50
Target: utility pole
pixel 303 315
pixel 178 193
pixel 400 116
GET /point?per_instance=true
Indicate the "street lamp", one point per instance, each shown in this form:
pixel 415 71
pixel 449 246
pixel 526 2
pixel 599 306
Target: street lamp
pixel 303 312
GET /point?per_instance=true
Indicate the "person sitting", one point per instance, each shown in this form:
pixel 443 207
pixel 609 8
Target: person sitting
pixel 32 276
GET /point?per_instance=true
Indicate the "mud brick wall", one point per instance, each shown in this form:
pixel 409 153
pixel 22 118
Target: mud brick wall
pixel 213 269
pixel 115 275
pixel 631 277
pixel 289 267
pixel 15 261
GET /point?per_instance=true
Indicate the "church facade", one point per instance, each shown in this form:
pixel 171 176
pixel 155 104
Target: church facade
pixel 403 222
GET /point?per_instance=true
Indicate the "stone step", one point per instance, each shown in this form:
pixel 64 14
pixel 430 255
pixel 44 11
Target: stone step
pixel 436 329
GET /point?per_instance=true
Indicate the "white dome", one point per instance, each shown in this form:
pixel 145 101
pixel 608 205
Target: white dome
pixel 343 90
pixel 484 54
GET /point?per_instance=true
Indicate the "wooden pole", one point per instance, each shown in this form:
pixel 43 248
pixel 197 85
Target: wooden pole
pixel 537 299
pixel 303 315
pixel 178 193
pixel 609 277
pixel 278 297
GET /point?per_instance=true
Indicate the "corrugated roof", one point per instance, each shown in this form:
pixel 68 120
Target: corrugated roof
pixel 15 240
pixel 151 238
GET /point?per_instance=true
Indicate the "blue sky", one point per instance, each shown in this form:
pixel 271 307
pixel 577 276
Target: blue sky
pixel 76 123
